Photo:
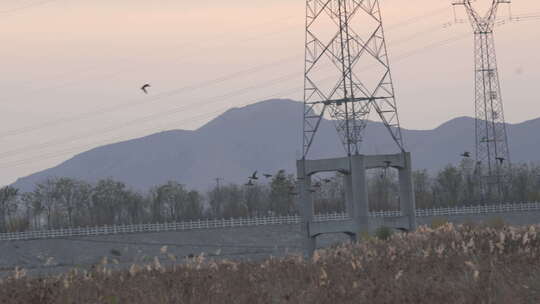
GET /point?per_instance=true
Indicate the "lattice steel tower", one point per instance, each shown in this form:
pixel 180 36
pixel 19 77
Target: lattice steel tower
pixel 347 73
pixel 492 153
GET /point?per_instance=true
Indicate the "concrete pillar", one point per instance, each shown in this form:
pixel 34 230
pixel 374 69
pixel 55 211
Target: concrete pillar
pixel 406 191
pixel 360 194
pixel 306 207
pixel 349 200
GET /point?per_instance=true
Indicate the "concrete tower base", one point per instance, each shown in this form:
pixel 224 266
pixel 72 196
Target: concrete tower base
pixel 356 195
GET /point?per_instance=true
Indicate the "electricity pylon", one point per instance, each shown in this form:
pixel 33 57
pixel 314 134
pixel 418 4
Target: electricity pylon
pixel 345 47
pixel 492 152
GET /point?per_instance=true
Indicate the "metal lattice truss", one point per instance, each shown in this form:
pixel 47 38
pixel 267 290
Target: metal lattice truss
pixel 347 72
pixel 492 152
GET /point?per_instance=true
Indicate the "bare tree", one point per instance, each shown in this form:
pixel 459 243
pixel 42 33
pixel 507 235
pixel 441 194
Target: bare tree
pixel 422 184
pixel 8 206
pixel 173 202
pixel 281 200
pixel 108 198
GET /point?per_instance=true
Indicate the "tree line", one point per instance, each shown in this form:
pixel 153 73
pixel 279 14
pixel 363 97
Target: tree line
pixel 67 202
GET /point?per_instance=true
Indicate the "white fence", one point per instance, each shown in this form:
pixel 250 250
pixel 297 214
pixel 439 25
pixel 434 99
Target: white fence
pixel 480 209
pixel 255 221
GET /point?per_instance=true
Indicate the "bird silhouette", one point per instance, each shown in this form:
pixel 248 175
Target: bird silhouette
pixel 254 176
pixel 267 175
pixel 145 87
pixel 466 154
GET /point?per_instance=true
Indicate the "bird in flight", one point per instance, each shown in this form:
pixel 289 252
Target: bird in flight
pixel 466 154
pixel 254 176
pixel 145 87
pixel 402 229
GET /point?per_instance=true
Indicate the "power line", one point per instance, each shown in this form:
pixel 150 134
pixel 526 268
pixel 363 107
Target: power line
pixel 140 101
pixel 206 101
pixel 64 152
pixel 195 52
pixel 20 8
pixel 210 82
pixel 418 18
pixel 71 150
pixel 211 100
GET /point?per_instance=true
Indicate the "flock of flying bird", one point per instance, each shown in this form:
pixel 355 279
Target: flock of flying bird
pixel 467 154
pixel 318 185
pixel 292 189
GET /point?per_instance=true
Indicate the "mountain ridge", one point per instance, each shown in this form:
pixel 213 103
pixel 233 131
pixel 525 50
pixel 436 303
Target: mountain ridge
pixel 265 136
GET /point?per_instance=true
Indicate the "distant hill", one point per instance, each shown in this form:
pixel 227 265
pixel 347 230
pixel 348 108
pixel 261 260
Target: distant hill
pixel 267 137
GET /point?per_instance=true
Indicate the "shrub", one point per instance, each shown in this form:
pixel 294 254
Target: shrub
pixel 384 233
pixel 19 224
pixel 116 252
pixel 470 224
pixel 438 222
pixel 495 223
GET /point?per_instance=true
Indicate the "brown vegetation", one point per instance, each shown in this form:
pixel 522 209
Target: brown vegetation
pixel 444 265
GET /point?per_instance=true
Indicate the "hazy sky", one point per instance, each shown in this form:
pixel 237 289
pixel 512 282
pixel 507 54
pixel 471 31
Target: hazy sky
pixel 71 69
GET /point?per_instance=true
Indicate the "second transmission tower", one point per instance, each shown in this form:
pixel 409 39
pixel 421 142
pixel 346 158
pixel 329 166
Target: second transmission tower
pixel 492 152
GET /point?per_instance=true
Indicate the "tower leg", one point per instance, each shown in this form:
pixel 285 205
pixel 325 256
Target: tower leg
pixel 349 200
pixel 406 192
pixel 360 194
pixel 306 207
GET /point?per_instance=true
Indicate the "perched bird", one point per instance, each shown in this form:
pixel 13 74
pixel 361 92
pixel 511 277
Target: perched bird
pixel 145 87
pixel 254 176
pixel 500 159
pixel 466 154
pixel 249 183
pixel 267 175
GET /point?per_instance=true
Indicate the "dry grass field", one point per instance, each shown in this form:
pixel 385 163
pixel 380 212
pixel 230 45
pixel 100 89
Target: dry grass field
pixel 449 264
